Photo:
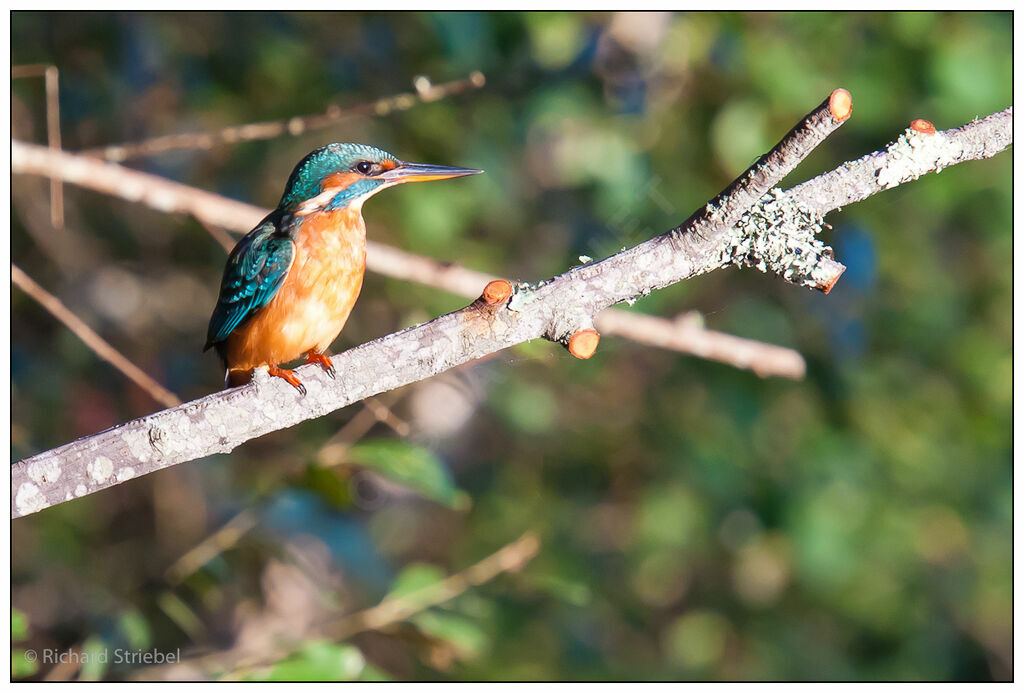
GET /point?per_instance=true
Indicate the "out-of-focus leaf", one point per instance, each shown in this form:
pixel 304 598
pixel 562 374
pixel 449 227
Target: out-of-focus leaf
pixel 412 466
pixel 318 660
pixel 468 638
pixel 415 577
pixel 180 612
pixel 529 407
pixel 372 673
pixel 572 591
pixel 19 625
pixel 697 639
pixel 22 665
pixel 329 485
pixel 95 658
pixel 136 629
pixel 556 37
pixel 740 134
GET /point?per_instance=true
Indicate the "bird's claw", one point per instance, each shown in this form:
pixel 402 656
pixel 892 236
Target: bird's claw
pixel 324 361
pixel 289 377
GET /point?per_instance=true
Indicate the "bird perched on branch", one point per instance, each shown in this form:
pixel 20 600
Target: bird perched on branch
pixel 291 282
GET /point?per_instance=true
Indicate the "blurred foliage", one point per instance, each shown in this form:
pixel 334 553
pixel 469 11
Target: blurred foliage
pixel 318 661
pixel 22 664
pixel 412 466
pixel 696 522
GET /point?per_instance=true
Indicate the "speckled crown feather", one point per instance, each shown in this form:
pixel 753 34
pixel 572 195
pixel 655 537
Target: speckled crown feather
pixel 305 181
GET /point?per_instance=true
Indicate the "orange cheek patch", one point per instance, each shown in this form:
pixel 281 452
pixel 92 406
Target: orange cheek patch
pixel 388 164
pixel 340 180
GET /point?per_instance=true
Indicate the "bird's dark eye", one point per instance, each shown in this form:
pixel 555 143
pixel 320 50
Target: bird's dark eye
pixel 364 167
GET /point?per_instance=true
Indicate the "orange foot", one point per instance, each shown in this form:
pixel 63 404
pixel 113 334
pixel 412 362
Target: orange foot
pixel 323 360
pixel 288 376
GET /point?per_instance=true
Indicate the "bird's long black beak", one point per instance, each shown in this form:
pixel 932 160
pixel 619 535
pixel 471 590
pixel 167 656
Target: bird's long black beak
pixel 406 172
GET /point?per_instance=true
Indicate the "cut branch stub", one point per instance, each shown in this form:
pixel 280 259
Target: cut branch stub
pixel 497 291
pixel 832 271
pixel 840 104
pixel 583 343
pixel 925 127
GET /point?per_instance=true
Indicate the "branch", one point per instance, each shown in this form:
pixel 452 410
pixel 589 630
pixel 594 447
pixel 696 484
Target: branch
pixel 216 212
pixel 296 125
pixel 919 150
pixel 51 83
pixel 509 558
pixel 100 346
pixel 687 333
pixel 738 225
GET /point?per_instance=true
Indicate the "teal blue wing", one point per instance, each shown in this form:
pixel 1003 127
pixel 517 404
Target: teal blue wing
pixel 255 270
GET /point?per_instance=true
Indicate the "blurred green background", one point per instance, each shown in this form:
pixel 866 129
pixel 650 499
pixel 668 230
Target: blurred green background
pixel 696 522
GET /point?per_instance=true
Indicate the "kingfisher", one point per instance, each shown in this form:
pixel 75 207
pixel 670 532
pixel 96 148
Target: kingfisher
pixel 290 283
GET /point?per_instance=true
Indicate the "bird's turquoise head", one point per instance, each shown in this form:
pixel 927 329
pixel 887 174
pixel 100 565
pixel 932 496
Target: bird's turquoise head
pixel 342 174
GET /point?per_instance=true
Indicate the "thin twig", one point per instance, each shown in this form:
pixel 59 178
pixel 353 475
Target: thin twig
pixel 335 450
pixel 212 546
pixel 509 558
pixel 51 83
pixel 92 340
pixel 218 234
pixel 296 125
pixel 387 417
pixel 216 212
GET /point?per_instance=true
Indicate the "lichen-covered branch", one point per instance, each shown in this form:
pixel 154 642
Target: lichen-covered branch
pixel 919 150
pixel 556 309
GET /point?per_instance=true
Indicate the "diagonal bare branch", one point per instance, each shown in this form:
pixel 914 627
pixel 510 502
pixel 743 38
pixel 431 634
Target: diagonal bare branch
pixel 749 224
pixel 100 346
pixel 296 125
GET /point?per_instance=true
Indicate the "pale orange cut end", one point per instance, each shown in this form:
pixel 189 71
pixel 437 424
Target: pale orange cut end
pixel 840 104
pixel 825 288
pixel 497 291
pixel 922 126
pixel 583 344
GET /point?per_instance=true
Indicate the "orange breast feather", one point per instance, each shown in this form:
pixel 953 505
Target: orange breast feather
pixel 315 298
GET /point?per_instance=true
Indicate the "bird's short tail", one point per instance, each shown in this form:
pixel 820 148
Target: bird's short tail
pixel 234 378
